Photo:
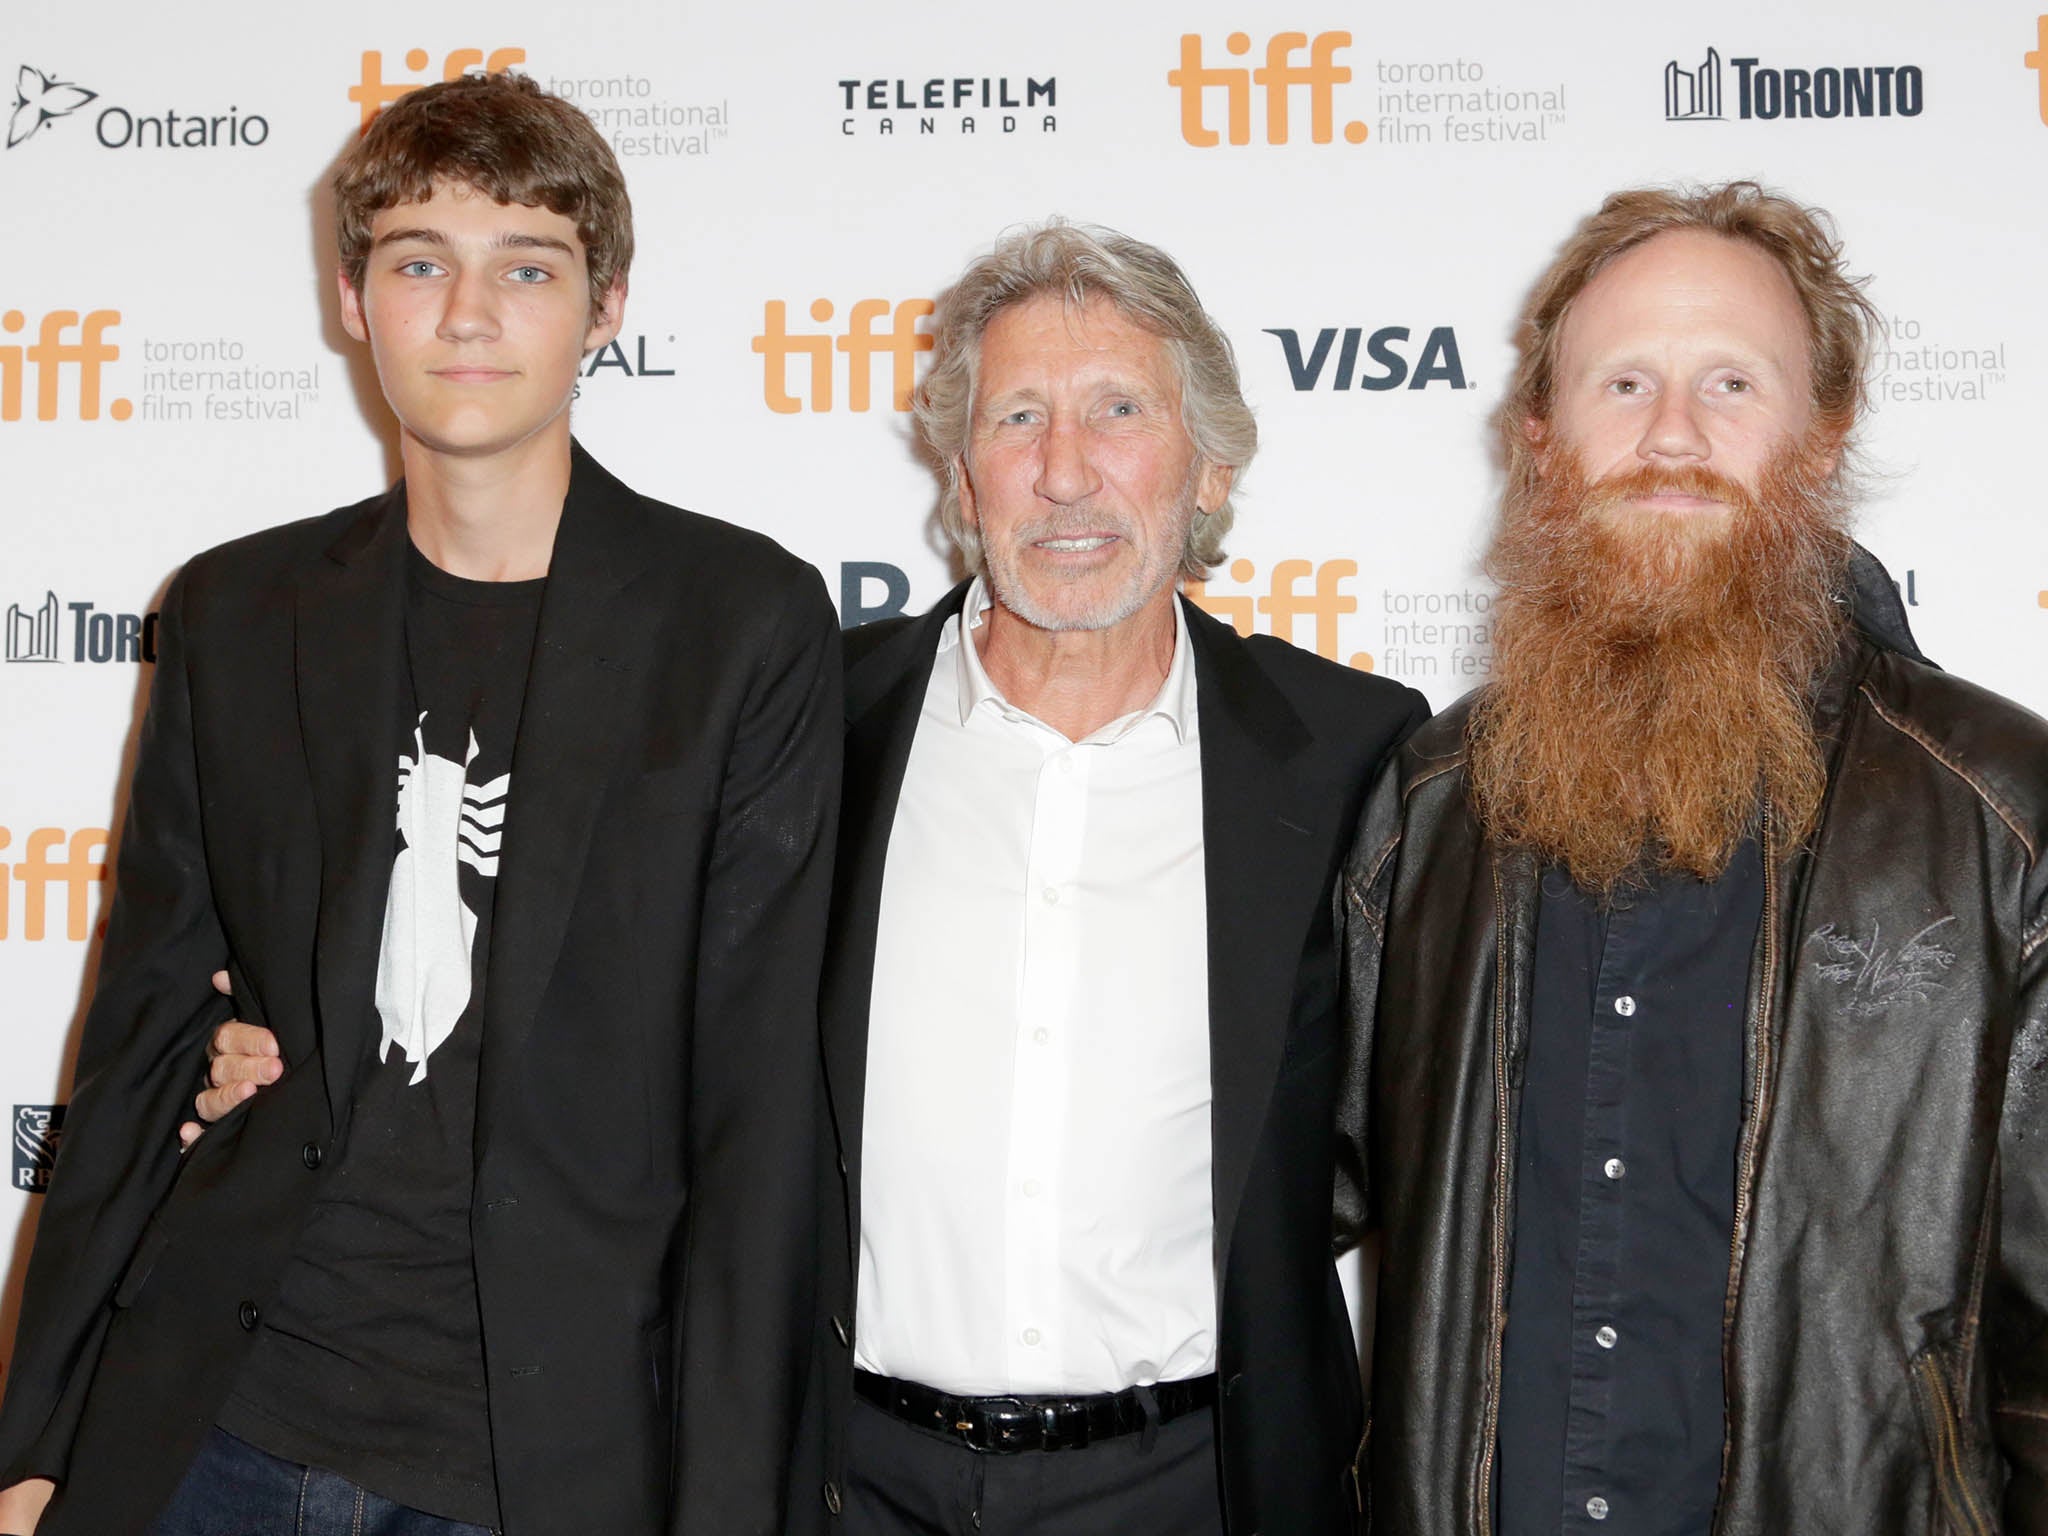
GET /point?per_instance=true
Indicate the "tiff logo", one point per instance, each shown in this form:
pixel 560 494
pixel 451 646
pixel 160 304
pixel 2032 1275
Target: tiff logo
pixel 50 354
pixel 80 868
pixel 1692 96
pixel 1319 75
pixel 372 93
pixel 37 1130
pixel 1284 602
pixel 2037 61
pixel 860 343
pixel 32 634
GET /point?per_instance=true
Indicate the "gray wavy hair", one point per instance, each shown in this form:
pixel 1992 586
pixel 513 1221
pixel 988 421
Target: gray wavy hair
pixel 1079 262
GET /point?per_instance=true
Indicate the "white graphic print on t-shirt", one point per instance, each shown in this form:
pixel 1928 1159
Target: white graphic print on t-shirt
pixel 424 967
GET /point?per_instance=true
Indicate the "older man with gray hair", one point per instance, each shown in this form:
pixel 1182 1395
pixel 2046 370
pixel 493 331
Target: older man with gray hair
pixel 1080 1010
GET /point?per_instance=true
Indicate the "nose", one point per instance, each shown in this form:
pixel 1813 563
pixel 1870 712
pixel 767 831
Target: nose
pixel 1066 473
pixel 1674 430
pixel 470 313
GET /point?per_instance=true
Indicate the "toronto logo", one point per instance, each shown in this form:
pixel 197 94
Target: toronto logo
pixel 41 99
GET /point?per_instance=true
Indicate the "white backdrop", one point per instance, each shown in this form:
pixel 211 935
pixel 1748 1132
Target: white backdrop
pixel 1379 186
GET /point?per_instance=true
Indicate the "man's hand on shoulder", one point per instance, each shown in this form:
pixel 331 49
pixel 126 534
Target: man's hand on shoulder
pixel 240 1059
pixel 22 1505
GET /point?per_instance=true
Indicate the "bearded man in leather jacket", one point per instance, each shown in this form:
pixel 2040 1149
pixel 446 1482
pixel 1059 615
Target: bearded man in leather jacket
pixel 1699 1060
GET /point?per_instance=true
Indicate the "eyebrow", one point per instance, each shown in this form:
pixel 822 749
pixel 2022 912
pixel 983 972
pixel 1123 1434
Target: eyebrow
pixel 425 236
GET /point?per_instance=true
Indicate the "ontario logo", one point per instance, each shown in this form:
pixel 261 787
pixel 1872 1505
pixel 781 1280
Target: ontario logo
pixel 37 1130
pixel 41 100
pixel 1694 93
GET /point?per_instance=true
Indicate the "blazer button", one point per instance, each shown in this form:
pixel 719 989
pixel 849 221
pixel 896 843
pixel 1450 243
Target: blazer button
pixel 832 1497
pixel 310 1154
pixel 248 1316
pixel 844 1334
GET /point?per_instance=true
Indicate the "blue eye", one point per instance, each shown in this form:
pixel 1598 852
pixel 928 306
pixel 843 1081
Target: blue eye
pixel 419 268
pixel 530 274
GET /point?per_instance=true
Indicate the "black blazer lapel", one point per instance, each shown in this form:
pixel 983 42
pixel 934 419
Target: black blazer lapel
pixel 595 633
pixel 1262 862
pixel 885 689
pixel 349 644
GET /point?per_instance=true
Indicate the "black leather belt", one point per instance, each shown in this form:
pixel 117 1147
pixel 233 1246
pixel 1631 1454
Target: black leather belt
pixel 1005 1424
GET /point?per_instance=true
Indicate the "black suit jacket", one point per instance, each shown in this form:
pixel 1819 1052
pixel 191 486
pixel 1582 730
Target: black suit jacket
pixel 645 1207
pixel 1289 744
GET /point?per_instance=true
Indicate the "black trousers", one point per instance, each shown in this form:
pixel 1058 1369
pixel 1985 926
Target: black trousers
pixel 906 1481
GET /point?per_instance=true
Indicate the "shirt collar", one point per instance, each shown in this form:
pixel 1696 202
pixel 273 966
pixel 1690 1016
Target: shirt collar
pixel 1174 702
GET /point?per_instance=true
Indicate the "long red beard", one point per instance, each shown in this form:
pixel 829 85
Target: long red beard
pixel 1653 672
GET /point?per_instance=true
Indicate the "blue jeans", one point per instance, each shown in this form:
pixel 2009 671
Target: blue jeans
pixel 233 1489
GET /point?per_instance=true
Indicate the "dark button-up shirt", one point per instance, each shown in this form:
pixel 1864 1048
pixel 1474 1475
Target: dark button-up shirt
pixel 1611 1401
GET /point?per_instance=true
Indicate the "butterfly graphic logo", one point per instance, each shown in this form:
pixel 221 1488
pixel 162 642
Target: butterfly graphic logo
pixel 40 99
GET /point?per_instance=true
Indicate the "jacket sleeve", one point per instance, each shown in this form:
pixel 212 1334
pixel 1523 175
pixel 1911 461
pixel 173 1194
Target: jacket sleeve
pixel 137 1067
pixel 1364 887
pixel 2016 1289
pixel 756 1100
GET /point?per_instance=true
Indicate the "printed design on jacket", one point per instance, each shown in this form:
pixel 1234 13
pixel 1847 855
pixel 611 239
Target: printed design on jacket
pixel 425 969
pixel 1878 976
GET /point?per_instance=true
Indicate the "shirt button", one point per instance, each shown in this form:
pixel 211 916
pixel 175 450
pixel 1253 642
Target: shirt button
pixel 311 1155
pixel 1052 896
pixel 248 1315
pixel 1066 765
pixel 1606 1338
pixel 1031 1189
pixel 1040 1036
pixel 1625 1006
pixel 1031 1335
pixel 1597 1507
pixel 1614 1168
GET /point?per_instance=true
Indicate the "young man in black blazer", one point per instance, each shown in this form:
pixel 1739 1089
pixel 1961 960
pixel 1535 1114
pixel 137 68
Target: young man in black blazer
pixel 449 1275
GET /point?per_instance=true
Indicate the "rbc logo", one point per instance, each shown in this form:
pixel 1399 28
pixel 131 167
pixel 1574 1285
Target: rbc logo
pixel 373 94
pixel 79 866
pixel 860 343
pixel 1320 75
pixel 37 1130
pixel 50 355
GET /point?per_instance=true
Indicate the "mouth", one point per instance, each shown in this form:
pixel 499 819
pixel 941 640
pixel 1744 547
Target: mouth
pixel 1678 502
pixel 471 375
pixel 1080 544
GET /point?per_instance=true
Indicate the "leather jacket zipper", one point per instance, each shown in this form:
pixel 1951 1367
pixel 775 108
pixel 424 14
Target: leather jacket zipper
pixel 1949 1474
pixel 1496 1323
pixel 1752 1130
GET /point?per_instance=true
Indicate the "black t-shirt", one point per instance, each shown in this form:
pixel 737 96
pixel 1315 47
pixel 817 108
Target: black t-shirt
pixel 370 1361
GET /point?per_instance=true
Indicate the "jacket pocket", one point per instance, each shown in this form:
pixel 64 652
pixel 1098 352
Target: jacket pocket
pixel 1963 1506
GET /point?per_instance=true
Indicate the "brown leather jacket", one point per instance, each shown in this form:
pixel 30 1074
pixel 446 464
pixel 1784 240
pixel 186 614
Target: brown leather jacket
pixel 1886 1330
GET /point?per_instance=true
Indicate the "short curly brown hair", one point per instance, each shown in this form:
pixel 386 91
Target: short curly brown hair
pixel 504 136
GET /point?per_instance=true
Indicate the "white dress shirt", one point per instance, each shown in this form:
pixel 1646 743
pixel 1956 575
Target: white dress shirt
pixel 1036 1214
